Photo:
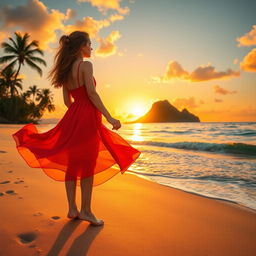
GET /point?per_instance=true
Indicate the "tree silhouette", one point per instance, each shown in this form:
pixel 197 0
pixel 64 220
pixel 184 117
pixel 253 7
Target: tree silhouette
pixel 34 91
pixel 8 83
pixel 46 100
pixel 15 107
pixel 22 51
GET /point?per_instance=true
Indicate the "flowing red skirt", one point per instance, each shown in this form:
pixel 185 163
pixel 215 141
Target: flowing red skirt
pixel 79 146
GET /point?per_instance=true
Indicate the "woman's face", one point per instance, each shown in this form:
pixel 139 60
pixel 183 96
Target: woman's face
pixel 86 49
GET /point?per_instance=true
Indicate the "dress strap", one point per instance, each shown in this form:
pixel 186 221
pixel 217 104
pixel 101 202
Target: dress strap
pixel 78 73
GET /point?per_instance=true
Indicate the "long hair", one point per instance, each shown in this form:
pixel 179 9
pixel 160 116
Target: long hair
pixel 69 47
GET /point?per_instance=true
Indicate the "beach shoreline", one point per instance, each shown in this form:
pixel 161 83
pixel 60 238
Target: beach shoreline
pixel 234 203
pixel 141 217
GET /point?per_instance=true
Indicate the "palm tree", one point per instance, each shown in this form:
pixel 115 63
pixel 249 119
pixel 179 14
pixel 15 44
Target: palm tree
pixel 7 81
pixel 3 86
pixel 34 91
pixel 21 51
pixel 46 100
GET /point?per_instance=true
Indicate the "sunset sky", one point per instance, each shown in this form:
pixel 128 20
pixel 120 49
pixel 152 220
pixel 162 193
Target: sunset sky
pixel 196 54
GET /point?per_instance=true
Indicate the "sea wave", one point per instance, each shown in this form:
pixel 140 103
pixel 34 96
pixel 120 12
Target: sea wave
pixel 218 178
pixel 219 132
pixel 173 132
pixel 228 148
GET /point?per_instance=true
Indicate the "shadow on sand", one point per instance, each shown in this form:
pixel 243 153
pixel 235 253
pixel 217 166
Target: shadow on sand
pixel 80 245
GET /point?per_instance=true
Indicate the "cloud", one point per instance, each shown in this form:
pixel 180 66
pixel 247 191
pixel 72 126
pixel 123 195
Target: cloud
pixel 35 18
pixel 88 24
pixel 22 76
pixel 91 25
pixel 104 5
pixel 248 39
pixel 174 70
pixel 115 17
pixel 70 14
pixel 189 103
pixel 249 61
pixel 107 46
pixel 3 35
pixel 43 24
pixel 203 73
pixel 219 90
pixel 218 100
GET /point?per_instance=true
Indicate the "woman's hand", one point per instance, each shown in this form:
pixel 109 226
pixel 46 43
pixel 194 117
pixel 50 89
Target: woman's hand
pixel 116 123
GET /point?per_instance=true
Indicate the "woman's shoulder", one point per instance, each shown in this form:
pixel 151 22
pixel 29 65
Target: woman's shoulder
pixel 86 63
pixel 87 66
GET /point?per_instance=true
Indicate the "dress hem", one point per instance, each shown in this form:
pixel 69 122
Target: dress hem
pixel 120 170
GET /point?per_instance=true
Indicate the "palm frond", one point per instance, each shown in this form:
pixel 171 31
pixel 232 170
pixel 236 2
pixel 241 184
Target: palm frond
pixel 7 58
pixel 19 85
pixel 37 59
pixel 8 48
pixel 34 66
pixel 18 40
pixel 25 40
pixel 14 43
pixel 9 66
pixel 37 50
pixel 34 43
pixel 51 107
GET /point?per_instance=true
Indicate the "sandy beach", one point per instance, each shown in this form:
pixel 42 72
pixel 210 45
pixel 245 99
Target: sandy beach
pixel 141 217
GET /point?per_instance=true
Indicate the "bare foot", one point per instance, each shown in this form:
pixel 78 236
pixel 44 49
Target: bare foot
pixel 91 218
pixel 72 214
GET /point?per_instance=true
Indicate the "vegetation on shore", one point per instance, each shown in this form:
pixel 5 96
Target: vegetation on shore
pixel 17 106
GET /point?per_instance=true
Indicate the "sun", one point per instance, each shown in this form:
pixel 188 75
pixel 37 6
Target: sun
pixel 137 110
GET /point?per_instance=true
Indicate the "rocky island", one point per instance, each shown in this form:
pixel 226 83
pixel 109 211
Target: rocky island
pixel 163 111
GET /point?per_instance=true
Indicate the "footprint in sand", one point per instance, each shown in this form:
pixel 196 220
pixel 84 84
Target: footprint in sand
pixel 10 171
pixel 2 151
pixel 27 237
pixel 19 181
pixel 5 182
pixel 37 214
pixel 10 192
pixel 55 217
pixel 37 249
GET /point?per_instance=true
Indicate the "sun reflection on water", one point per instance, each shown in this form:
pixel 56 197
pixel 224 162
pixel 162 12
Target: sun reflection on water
pixel 137 132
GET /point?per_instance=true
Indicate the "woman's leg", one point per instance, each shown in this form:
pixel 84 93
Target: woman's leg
pixel 71 196
pixel 86 194
pixel 86 191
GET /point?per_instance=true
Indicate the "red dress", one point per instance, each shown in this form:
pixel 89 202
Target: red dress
pixel 79 146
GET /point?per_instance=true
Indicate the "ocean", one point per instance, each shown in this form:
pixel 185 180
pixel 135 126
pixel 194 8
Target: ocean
pixel 213 159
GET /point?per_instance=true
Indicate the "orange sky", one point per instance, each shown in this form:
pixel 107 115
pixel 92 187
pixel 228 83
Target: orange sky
pixel 199 56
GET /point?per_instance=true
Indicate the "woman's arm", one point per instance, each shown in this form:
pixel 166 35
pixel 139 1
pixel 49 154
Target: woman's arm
pixel 87 71
pixel 66 96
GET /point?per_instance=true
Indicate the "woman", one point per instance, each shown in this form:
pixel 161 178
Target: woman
pixel 80 149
